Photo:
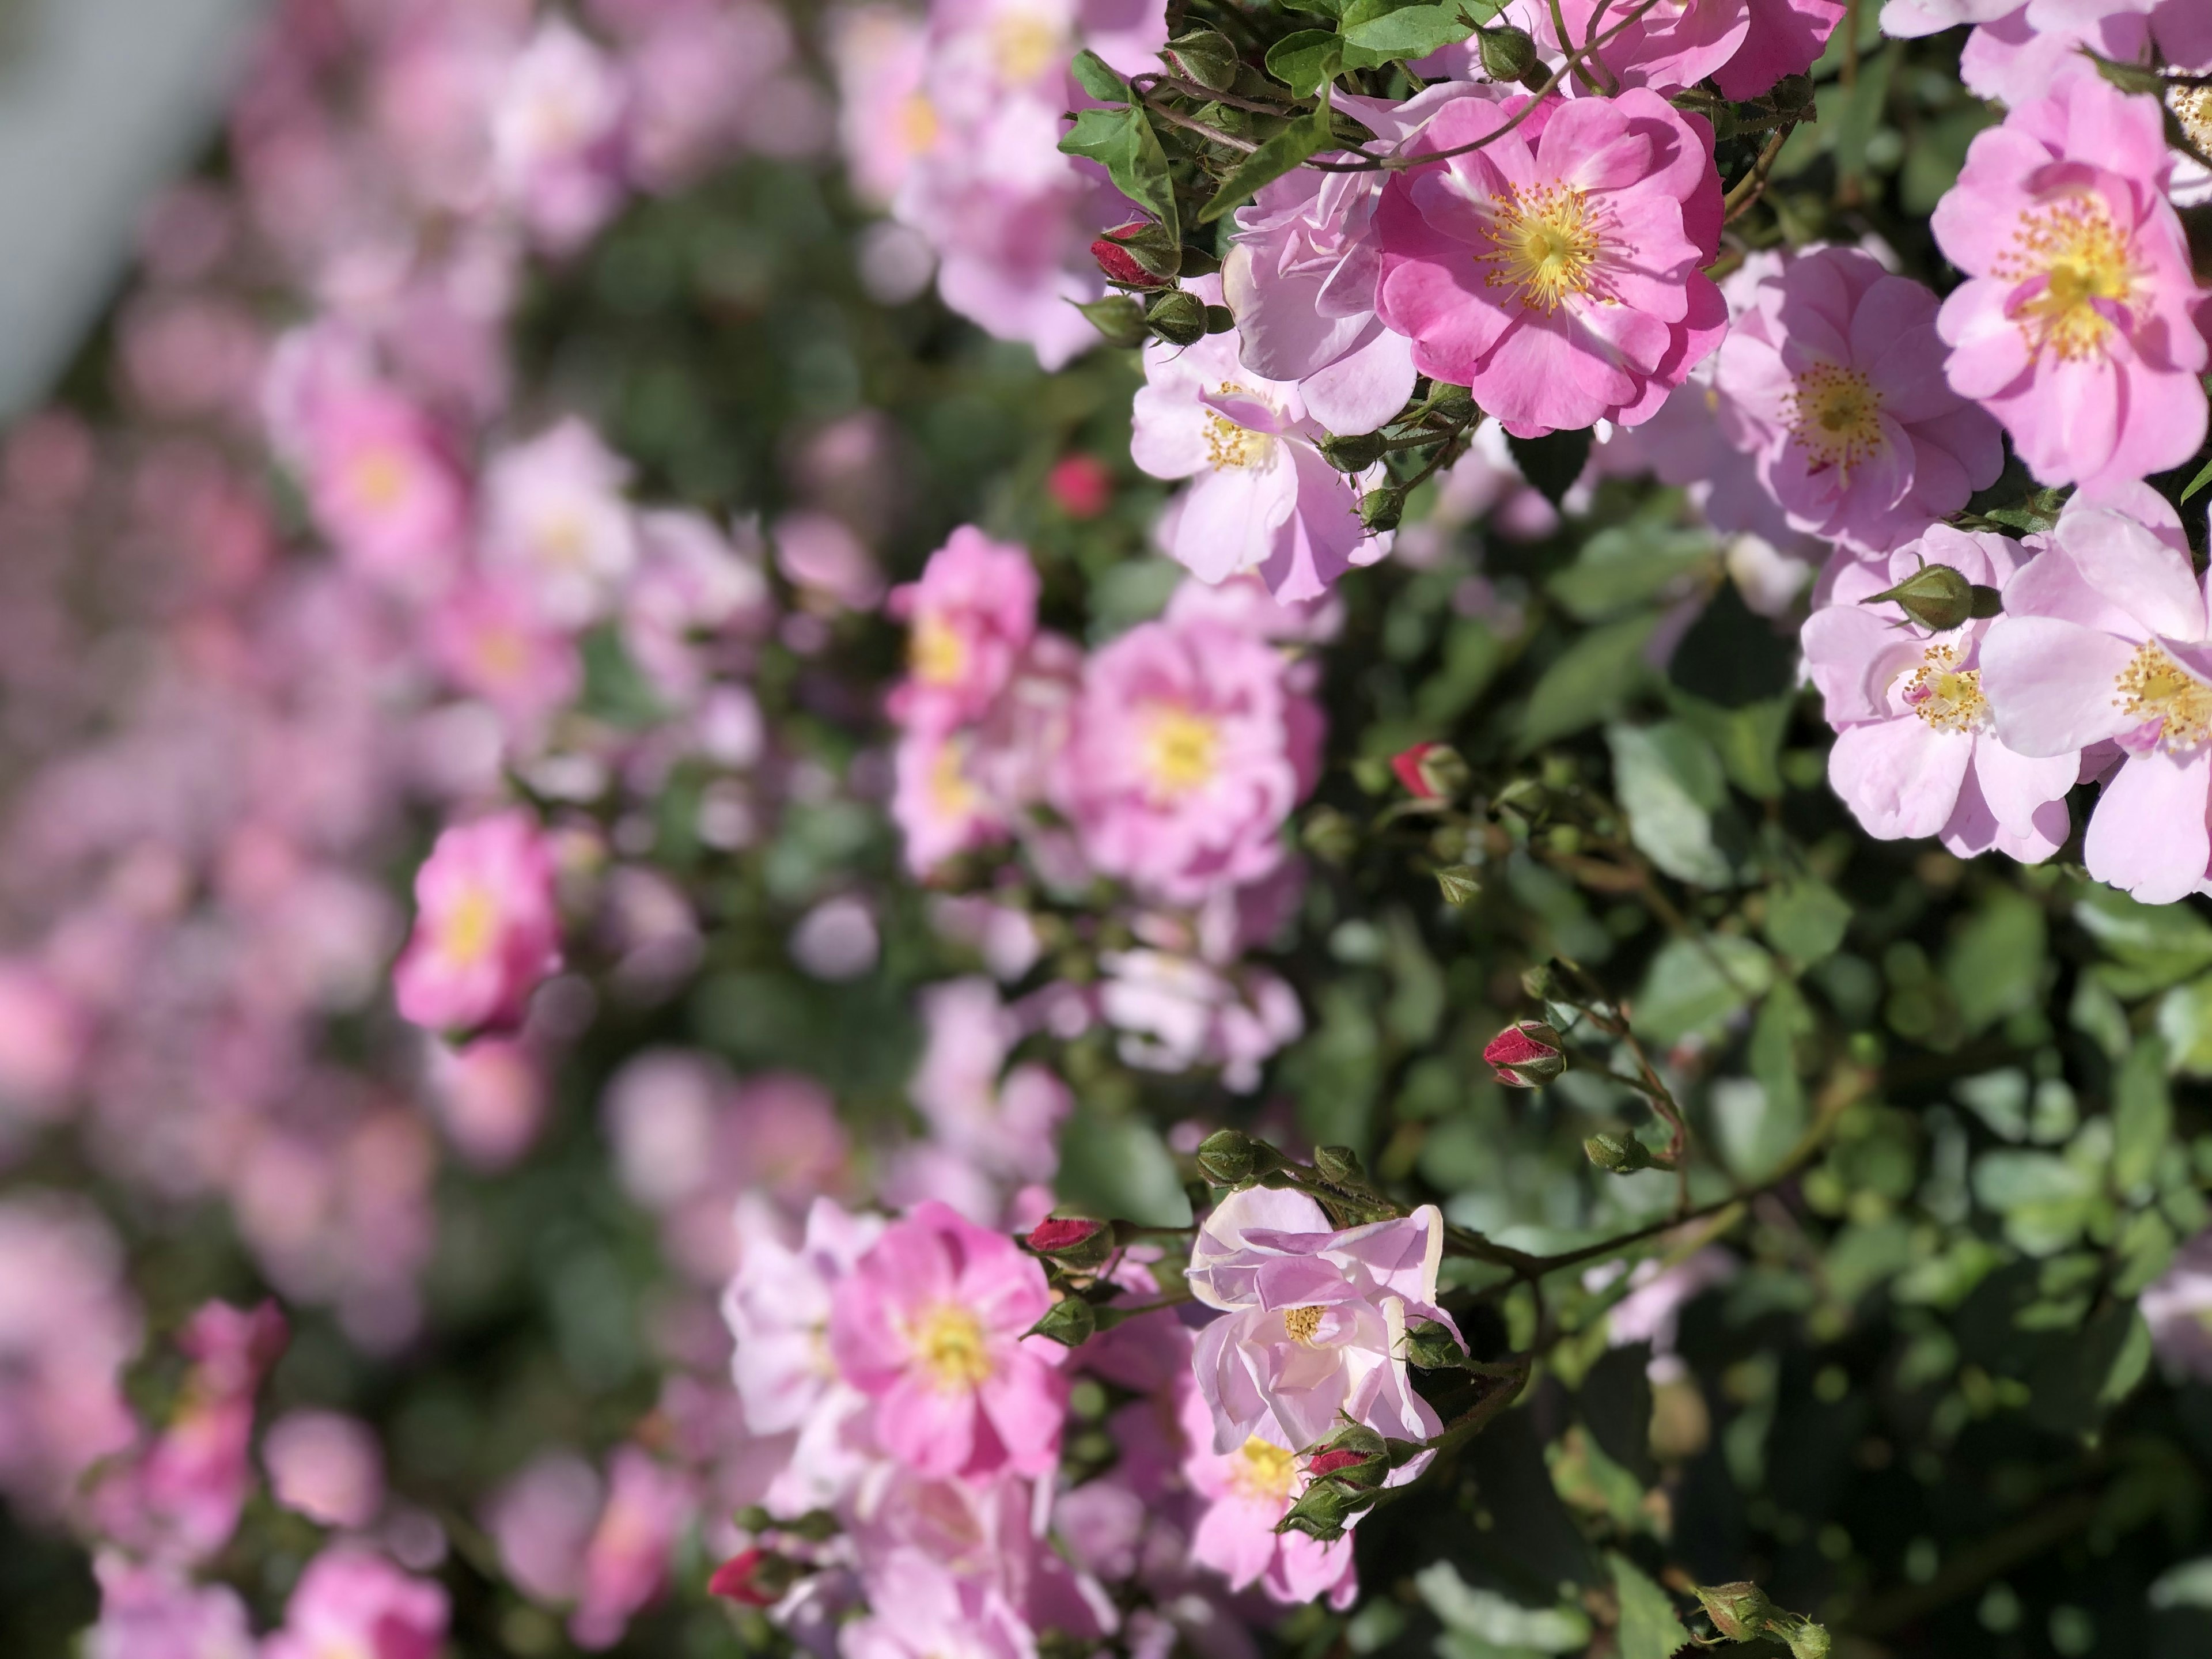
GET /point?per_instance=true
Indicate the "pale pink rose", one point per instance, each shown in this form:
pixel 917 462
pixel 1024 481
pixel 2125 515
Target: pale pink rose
pixel 968 619
pixel 352 1602
pixel 1918 750
pixel 541 1521
pixel 1909 19
pixel 2177 1307
pixel 2104 640
pixel 491 640
pixel 1178 1011
pixel 1249 1489
pixel 1314 1321
pixel 558 137
pixel 556 519
pixel 490 1096
pixel 919 1610
pixel 941 807
pixel 44 1036
pixel 778 1308
pixel 325 1464
pixel 1189 751
pixel 1835 372
pixel 1262 497
pixel 626 1564
pixel 384 486
pixel 1007 1127
pixel 1557 273
pixel 884 119
pixel 820 554
pixel 154 1612
pixel 931 1325
pixel 697 597
pixel 487 931
pixel 1652 1310
pixel 2077 326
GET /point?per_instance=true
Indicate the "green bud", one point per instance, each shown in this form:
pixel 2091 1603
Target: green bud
pixel 1205 56
pixel 1071 1321
pixel 1804 1639
pixel 1355 1438
pixel 1178 317
pixel 1454 404
pixel 1431 1346
pixel 1322 1509
pixel 1118 318
pixel 1228 1158
pixel 1739 1612
pixel 1352 454
pixel 1075 1243
pixel 1339 1166
pixel 1935 596
pixel 1621 1154
pixel 1328 834
pixel 1381 509
pixel 1792 92
pixel 1219 320
pixel 1148 254
pixel 1461 884
pixel 1987 603
pixel 816 1526
pixel 1507 53
pixel 752 1518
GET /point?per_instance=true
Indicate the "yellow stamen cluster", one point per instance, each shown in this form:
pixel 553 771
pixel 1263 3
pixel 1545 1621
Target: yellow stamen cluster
pixel 949 1342
pixel 1544 244
pixel 1026 46
pixel 1836 415
pixel 380 479
pixel 2082 258
pixel 2192 107
pixel 2155 687
pixel 1180 750
pixel 471 927
pixel 1228 444
pixel 1302 1323
pixel 1263 1472
pixel 950 792
pixel 1947 697
pixel 935 651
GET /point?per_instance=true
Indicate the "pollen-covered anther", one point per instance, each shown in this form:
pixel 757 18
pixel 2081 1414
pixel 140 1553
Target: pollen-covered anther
pixel 1947 697
pixel 1229 445
pixel 1302 1323
pixel 2155 687
pixel 1836 417
pixel 2076 269
pixel 1544 243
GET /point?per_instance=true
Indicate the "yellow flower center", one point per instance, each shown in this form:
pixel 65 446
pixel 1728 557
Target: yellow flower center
pixel 379 480
pixel 2155 687
pixel 471 927
pixel 949 1342
pixel 917 123
pixel 1836 415
pixel 1263 1472
pixel 1302 1323
pixel 935 651
pixel 563 541
pixel 1179 750
pixel 501 655
pixel 2082 258
pixel 1947 697
pixel 950 792
pixel 1543 243
pixel 1228 444
pixel 1025 47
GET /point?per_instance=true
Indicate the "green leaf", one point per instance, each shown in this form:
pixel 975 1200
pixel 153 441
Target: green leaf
pixel 1379 31
pixel 1496 1622
pixel 1099 78
pixel 2184 1020
pixel 1994 966
pixel 2151 945
pixel 2142 1116
pixel 1113 1165
pixel 1552 463
pixel 1588 680
pixel 1670 782
pixel 1695 984
pixel 1806 920
pixel 1649 1626
pixel 2198 482
pixel 1629 565
pixel 1123 142
pixel 1304 60
pixel 1307 136
pixel 1747 739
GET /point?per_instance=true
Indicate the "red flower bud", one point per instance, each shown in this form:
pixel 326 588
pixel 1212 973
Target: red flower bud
pixel 1060 1233
pixel 1430 771
pixel 1329 1463
pixel 1080 485
pixel 1134 255
pixel 1525 1053
pixel 739 1579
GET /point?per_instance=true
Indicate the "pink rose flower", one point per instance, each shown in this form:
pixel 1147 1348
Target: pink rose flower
pixel 1745 45
pixel 1556 273
pixel 154 1612
pixel 489 637
pixel 325 1464
pixel 1835 374
pixel 941 808
pixel 558 137
pixel 1917 749
pixel 385 487
pixel 2104 640
pixel 1005 1123
pixel 625 1566
pixel 1786 37
pixel 969 618
pixel 486 929
pixel 1314 1322
pixel 350 1602
pixel 777 1307
pixel 1248 1489
pixel 556 519
pixel 2077 326
pixel 2177 1307
pixel 1262 497
pixel 918 1610
pixel 1189 751
pixel 931 1325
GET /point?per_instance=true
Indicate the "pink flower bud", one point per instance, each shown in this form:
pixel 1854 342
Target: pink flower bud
pixel 1052 1236
pixel 1526 1054
pixel 739 1579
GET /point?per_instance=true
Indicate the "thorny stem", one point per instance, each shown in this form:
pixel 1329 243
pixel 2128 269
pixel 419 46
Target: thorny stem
pixel 1752 185
pixel 1176 118
pixel 1144 83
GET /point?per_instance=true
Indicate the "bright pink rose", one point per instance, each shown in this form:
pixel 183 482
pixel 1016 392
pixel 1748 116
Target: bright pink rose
pixel 1836 374
pixel 1262 497
pixel 1669 46
pixel 969 618
pixel 1314 1319
pixel 2076 327
pixel 626 1564
pixel 2104 640
pixel 1786 37
pixel 384 486
pixel 1248 1489
pixel 489 637
pixel 1556 272
pixel 940 806
pixel 931 1325
pixel 1917 752
pixel 486 929
pixel 1188 753
pixel 352 1602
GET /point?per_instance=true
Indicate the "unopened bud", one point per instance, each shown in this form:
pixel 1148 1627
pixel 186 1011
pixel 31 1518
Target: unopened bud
pixel 1430 771
pixel 1526 1054
pixel 755 1578
pixel 1118 318
pixel 1936 596
pixel 1430 1346
pixel 1461 884
pixel 1381 509
pixel 1352 454
pixel 1454 404
pixel 1328 834
pixel 1339 1166
pixel 816 1526
pixel 1322 1509
pixel 1204 56
pixel 1792 92
pixel 1228 1157
pixel 1071 1321
pixel 1739 1612
pixel 1507 53
pixel 1621 1154
pixel 1140 254
pixel 1804 1639
pixel 1356 1437
pixel 1178 317
pixel 1351 1467
pixel 1073 1242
